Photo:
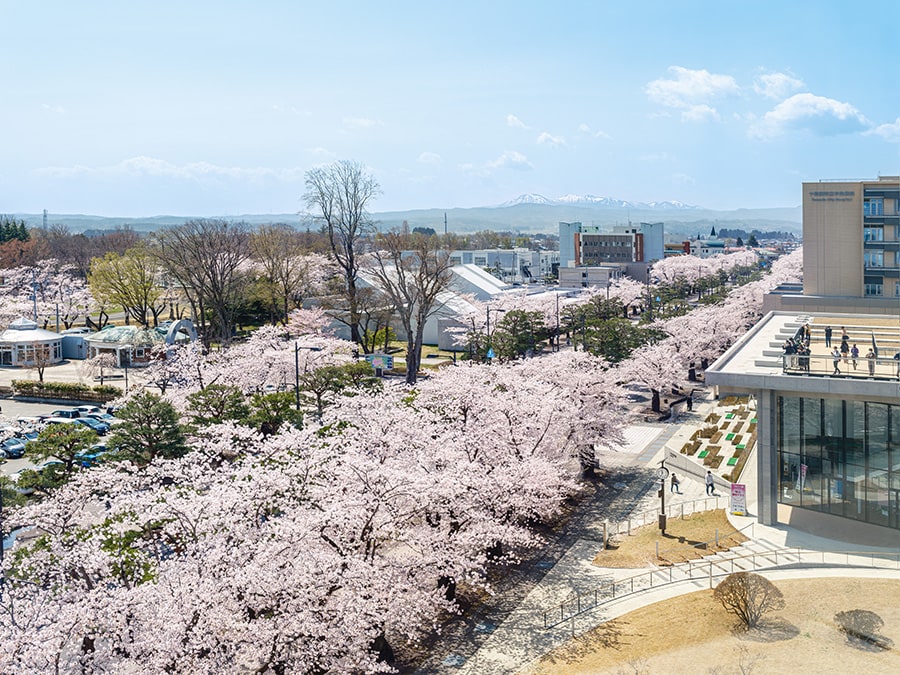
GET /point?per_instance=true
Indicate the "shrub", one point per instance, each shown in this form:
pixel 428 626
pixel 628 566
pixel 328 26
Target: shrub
pixel 748 596
pixel 737 426
pixel 862 626
pixel 707 432
pixel 695 435
pixel 716 437
pixel 713 418
pixel 737 439
pixel 716 461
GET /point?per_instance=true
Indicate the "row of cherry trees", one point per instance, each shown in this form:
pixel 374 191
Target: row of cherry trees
pixel 317 549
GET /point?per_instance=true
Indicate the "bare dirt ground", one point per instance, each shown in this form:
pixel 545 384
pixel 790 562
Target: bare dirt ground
pixel 689 538
pixel 694 634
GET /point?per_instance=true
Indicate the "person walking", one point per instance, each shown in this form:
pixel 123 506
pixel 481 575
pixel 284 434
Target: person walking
pixel 854 354
pixel 836 358
pixel 827 336
pixel 870 357
pixel 710 484
pixel 675 484
pixel 845 349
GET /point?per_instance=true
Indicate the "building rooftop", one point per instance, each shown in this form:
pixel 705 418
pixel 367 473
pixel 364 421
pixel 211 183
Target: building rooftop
pixel 758 361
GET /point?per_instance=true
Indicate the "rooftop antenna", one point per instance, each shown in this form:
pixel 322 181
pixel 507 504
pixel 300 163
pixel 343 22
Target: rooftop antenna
pixel 445 223
pixel 45 219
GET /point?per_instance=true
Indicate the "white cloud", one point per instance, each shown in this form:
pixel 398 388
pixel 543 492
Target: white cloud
pixel 586 129
pixel 817 114
pixel 513 121
pixel 689 90
pixel 361 122
pixel 159 168
pixel 776 85
pixel 321 152
pixel 58 109
pixel 889 132
pixel 683 179
pixel 689 86
pixel 510 159
pixel 548 139
pixel 700 113
pixel 430 158
pixel 656 157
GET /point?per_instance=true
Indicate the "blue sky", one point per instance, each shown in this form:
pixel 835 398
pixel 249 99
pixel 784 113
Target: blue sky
pixel 219 108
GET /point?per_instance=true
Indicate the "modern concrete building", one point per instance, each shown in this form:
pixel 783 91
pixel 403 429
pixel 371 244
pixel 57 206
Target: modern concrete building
pixel 512 266
pixel 828 444
pixel 851 248
pixel 581 245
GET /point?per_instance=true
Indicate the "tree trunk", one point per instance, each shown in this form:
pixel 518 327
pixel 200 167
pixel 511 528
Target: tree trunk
pixel 655 401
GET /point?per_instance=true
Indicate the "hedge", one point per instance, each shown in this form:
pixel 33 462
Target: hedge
pixel 66 390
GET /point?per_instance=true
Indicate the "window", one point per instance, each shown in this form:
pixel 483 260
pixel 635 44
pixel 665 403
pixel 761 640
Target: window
pixel 874 289
pixel 873 207
pixel 873 258
pixel 873 234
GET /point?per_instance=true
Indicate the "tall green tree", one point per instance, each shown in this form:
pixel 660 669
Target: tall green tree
pixel 130 280
pixel 149 428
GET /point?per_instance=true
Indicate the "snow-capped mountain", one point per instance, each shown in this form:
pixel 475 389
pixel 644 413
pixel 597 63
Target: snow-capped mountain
pixel 592 200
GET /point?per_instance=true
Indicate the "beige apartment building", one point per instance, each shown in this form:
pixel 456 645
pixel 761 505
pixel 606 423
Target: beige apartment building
pixel 851 248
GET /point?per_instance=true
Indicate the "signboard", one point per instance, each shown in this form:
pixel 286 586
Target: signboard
pixel 738 499
pixel 380 361
pixel 490 352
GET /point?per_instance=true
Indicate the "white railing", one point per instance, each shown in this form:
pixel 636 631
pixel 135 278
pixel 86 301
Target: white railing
pixel 711 569
pixel 679 510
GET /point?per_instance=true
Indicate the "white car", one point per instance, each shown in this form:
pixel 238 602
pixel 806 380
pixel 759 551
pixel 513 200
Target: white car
pixel 87 409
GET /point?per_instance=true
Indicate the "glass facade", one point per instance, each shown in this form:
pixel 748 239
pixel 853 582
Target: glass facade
pixel 840 457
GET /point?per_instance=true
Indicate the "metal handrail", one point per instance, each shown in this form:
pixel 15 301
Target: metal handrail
pixel 607 591
pixel 639 519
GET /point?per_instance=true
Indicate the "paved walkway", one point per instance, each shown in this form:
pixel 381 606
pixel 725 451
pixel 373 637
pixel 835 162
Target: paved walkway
pixel 513 631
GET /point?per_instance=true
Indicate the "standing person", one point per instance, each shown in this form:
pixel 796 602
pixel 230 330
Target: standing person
pixel 675 484
pixel 806 333
pixel 870 357
pixel 836 358
pixel 710 483
pixel 844 335
pixel 854 354
pixel 827 336
pixel 897 359
pixel 690 399
pixel 845 349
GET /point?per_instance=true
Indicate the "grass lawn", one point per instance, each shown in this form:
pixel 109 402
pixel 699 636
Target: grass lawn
pixel 693 634
pixel 678 544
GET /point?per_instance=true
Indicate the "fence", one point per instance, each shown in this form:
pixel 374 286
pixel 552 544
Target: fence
pixel 679 510
pixel 712 569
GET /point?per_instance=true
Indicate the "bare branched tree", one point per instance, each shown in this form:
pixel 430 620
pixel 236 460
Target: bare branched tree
pixel 341 192
pixel 412 272
pixel 207 259
pixel 748 596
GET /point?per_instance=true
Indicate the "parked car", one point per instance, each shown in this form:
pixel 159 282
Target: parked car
pixel 68 414
pixel 91 456
pixel 58 420
pixel 13 448
pixel 89 422
pixel 104 417
pixel 87 409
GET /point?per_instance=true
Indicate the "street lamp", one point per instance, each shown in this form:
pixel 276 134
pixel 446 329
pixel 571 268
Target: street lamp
pixel 488 328
pixel 297 348
pixel 556 345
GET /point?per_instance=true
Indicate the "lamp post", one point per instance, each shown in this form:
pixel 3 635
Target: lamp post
pixel 488 327
pixel 649 297
pixel 297 348
pixel 556 345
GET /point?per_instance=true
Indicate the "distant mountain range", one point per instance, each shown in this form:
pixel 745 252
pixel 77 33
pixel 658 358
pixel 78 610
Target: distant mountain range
pixel 527 214
pixel 592 200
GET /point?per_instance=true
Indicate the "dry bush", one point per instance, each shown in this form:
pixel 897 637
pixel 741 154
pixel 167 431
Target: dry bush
pixel 748 596
pixel 862 626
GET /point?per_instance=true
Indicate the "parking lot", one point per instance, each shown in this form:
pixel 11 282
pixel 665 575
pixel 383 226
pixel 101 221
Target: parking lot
pixel 10 410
